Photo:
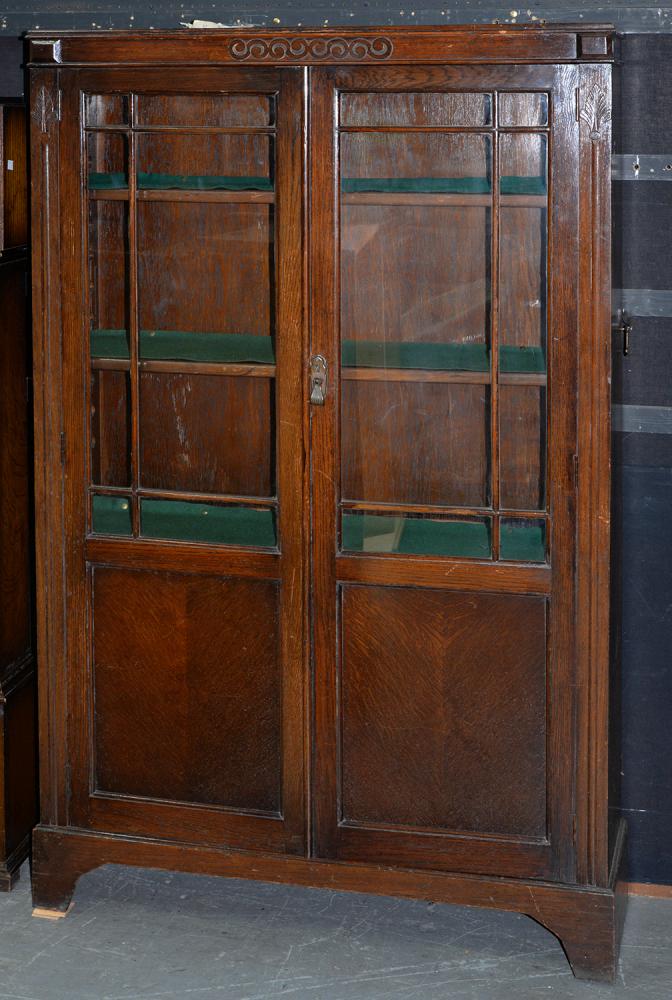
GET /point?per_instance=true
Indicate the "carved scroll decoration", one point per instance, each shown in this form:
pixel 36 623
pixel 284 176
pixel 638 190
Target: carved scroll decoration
pixel 596 112
pixel 43 112
pixel 337 48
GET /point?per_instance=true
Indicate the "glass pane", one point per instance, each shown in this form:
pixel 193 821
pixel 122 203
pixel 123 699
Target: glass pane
pixel 522 447
pixel 111 515
pixel 205 281
pixel 108 278
pixel 523 109
pixel 523 248
pixel 207 433
pixel 110 428
pixel 106 109
pixel 205 278
pixel 415 251
pixel 523 319
pixel 205 110
pixel 194 522
pixel 205 162
pixel 415 442
pixel 522 540
pixel 416 109
pixel 422 535
pixel 107 160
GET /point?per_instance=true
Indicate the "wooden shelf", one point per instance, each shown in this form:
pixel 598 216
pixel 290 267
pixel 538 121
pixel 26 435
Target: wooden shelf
pixel 186 367
pixel 348 374
pixel 412 375
pixel 418 375
pixel 443 200
pixel 198 195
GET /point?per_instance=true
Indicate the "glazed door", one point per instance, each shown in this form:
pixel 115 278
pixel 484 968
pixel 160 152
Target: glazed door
pixel 444 315
pixel 181 207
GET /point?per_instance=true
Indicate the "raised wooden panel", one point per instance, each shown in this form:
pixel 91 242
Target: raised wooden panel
pixel 443 710
pixel 187 688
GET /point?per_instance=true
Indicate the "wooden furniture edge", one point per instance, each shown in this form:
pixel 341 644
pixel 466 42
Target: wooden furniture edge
pixel 61 855
pixel 10 868
pixel 333 45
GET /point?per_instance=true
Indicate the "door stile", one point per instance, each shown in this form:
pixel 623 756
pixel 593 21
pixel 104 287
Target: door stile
pixel 324 444
pixel 290 353
pixel 563 267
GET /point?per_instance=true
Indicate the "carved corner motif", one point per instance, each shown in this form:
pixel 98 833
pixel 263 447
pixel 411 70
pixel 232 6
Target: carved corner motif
pixel 298 48
pixel 596 112
pixel 43 112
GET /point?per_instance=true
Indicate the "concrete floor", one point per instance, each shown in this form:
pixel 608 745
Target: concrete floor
pixel 134 933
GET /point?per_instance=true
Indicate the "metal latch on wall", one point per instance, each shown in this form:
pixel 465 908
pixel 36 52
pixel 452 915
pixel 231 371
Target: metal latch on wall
pixel 624 327
pixel 318 380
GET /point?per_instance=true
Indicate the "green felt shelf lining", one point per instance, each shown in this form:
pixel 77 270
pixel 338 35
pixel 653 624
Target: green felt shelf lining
pixel 194 522
pixel 182 345
pixel 118 180
pixel 182 182
pixel 421 536
pixel 457 539
pixel 187 521
pixel 442 185
pixel 521 542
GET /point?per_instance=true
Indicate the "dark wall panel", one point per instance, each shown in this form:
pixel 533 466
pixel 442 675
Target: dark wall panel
pixel 18 16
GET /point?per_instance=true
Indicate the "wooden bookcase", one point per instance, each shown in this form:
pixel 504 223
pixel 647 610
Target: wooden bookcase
pixel 18 736
pixel 322 441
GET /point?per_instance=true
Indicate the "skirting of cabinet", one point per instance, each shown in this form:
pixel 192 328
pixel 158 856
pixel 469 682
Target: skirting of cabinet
pixel 18 798
pixel 587 921
pixel 10 868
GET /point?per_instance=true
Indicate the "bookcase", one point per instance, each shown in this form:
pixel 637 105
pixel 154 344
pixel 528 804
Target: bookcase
pixel 322 446
pixel 18 737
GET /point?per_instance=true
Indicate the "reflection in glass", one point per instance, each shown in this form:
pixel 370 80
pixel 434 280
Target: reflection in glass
pixel 415 442
pixel 108 274
pixel 522 330
pixel 111 515
pixel 207 433
pixel 422 535
pixel 206 162
pixel 416 109
pixel 523 109
pixel 204 110
pixel 107 160
pixel 110 428
pixel 106 109
pixel 523 243
pixel 415 290
pixel 522 447
pixel 205 274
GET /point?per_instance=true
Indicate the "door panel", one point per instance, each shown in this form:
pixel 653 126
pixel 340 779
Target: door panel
pixel 436 732
pixel 191 713
pixel 187 673
pixel 442 521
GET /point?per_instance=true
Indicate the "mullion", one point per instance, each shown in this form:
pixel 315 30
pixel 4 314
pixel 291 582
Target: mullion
pixel 494 333
pixel 134 346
